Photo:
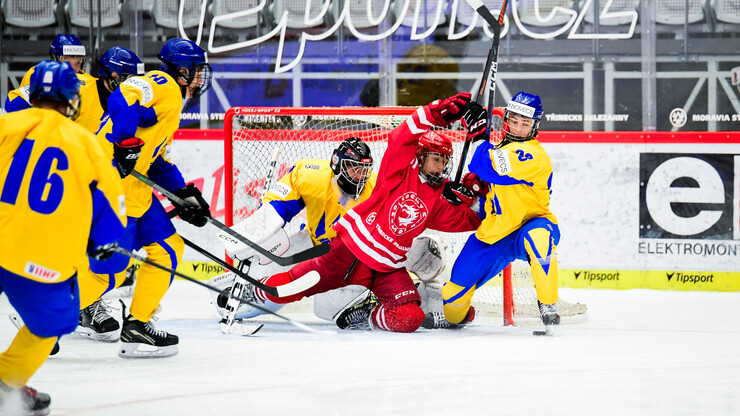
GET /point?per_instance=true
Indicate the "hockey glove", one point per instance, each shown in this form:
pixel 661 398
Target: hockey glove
pixel 457 194
pixel 474 183
pixel 103 252
pixel 197 210
pixel 475 121
pixel 444 112
pixel 126 153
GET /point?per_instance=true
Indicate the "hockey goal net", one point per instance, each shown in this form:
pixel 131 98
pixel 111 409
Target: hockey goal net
pixel 251 135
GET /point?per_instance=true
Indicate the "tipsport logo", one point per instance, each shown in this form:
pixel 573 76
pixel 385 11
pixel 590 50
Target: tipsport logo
pixel 689 196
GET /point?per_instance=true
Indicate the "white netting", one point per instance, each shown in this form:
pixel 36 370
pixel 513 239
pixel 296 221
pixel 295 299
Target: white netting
pixel 313 133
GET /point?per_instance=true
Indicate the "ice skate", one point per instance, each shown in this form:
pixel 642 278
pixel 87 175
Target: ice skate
pixel 437 320
pixel 96 323
pixel 549 313
pixel 142 340
pixel 356 315
pixel 126 290
pixel 23 401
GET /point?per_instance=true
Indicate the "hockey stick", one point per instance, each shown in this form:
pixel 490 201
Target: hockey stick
pixel 296 286
pixel 308 254
pixel 240 279
pixel 114 247
pixel 488 79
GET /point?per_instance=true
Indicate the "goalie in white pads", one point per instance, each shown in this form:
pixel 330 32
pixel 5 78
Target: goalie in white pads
pixel 326 189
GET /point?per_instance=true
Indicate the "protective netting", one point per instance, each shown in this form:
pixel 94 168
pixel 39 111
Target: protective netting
pixel 313 133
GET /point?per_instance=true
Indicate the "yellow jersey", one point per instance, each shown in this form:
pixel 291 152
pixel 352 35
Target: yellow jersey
pixel 520 178
pixel 310 184
pixel 55 181
pixel 147 107
pixel 91 111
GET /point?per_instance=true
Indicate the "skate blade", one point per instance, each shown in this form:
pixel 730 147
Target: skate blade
pixel 548 332
pixel 138 350
pixel 111 336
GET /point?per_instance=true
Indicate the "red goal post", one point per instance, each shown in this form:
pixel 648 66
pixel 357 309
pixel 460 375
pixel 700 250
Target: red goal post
pixel 252 133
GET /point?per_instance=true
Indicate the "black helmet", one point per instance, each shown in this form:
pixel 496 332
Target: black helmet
pixel 352 162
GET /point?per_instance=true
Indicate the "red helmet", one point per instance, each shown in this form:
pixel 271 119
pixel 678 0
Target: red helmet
pixel 433 142
pixel 429 143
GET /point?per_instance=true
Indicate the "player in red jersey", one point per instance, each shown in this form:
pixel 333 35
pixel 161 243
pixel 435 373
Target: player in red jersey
pixel 412 194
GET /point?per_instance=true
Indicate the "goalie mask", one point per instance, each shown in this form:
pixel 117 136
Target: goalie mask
pixel 434 153
pixel 522 110
pixel 351 163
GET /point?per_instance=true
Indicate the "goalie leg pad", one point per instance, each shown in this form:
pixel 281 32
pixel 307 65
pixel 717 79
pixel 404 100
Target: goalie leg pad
pixel 326 305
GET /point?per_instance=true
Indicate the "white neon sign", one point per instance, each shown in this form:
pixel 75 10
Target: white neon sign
pixel 359 15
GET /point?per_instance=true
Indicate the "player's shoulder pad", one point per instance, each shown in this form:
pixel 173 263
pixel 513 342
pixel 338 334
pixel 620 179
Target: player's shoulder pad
pixel 143 86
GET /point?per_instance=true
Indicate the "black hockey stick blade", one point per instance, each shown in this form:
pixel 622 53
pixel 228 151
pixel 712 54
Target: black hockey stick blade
pixel 312 252
pixel 486 14
pixel 296 286
pixel 127 253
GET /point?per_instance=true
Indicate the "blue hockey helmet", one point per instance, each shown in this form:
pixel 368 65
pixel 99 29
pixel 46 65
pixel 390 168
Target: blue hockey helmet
pixel 184 59
pixel 524 105
pixel 56 81
pixel 120 61
pixel 68 46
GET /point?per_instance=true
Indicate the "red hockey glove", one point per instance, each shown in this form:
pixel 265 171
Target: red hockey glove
pixel 444 112
pixel 126 153
pixel 475 120
pixel 473 182
pixel 457 194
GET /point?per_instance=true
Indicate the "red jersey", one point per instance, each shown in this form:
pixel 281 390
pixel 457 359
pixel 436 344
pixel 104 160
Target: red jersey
pixel 380 230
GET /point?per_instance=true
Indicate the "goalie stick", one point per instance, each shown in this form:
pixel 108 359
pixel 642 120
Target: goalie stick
pixel 296 286
pixel 488 80
pixel 239 283
pixel 114 247
pixel 308 254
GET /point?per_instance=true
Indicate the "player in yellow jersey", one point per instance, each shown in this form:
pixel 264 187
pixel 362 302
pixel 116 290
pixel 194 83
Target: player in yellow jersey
pixel 64 48
pixel 144 115
pixel 326 189
pixel 518 222
pixel 60 197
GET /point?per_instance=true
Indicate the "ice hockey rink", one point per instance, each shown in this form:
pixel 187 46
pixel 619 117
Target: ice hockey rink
pixel 641 352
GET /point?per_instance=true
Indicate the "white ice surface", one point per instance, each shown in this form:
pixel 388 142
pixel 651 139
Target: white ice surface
pixel 640 353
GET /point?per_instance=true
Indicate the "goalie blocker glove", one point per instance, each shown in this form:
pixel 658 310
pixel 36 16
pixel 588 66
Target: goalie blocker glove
pixel 126 153
pixel 457 194
pixel 197 211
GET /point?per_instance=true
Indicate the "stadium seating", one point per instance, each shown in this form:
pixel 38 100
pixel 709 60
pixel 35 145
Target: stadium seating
pixel 166 13
pixel 78 12
pixel 726 11
pixel 431 16
pixel 297 18
pixel 30 14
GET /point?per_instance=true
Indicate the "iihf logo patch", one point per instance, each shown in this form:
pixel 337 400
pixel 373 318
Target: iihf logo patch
pixel 41 272
pixel 407 213
pixel 371 218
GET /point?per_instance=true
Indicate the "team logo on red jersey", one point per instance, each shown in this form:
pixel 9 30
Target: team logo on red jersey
pixel 371 218
pixel 407 213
